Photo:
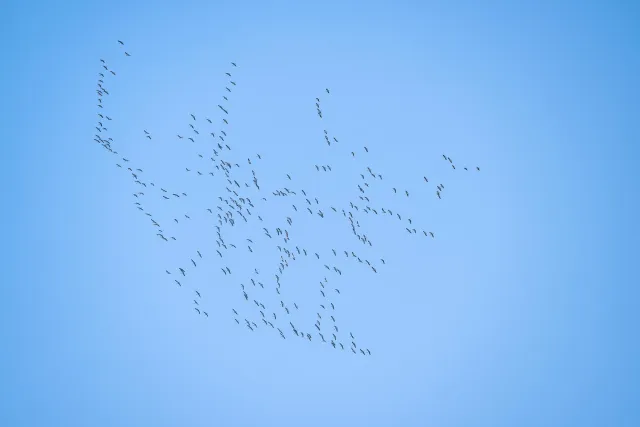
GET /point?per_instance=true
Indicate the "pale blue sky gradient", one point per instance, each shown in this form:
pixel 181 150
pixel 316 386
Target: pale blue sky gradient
pixel 523 310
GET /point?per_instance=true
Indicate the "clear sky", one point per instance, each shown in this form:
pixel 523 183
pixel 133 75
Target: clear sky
pixel 520 312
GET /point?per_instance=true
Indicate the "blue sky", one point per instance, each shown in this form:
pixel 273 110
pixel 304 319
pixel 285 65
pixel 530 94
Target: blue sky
pixel 521 311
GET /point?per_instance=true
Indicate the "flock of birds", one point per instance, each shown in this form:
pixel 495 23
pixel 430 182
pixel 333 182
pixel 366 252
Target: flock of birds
pixel 244 202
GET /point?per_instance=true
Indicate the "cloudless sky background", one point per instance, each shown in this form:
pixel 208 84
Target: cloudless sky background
pixel 521 312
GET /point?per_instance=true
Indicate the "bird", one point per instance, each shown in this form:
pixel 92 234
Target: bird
pixel 236 206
